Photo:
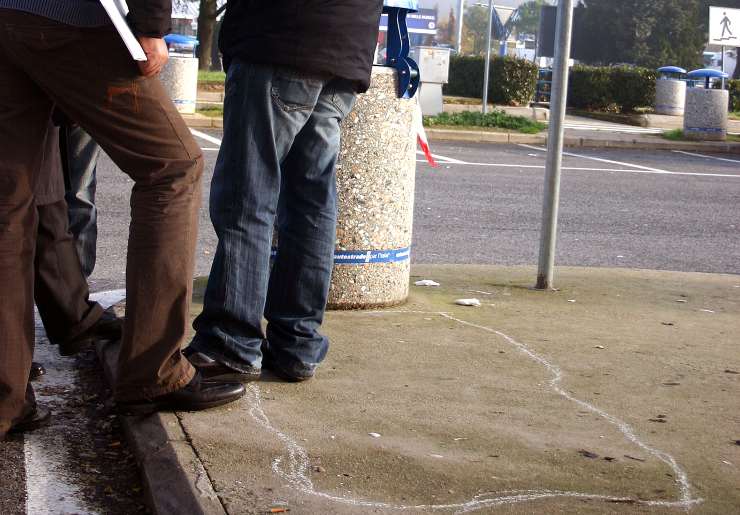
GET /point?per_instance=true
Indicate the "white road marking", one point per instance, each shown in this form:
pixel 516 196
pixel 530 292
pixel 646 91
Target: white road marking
pixel 294 467
pixel 706 156
pixel 207 137
pixel 611 128
pixel 447 160
pixel 638 168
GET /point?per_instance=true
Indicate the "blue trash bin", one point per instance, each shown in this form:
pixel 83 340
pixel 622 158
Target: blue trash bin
pixel 706 112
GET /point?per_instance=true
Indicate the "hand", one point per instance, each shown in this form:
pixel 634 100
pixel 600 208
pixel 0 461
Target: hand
pixel 156 55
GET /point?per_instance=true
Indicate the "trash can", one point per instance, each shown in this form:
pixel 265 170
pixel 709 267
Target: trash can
pixel 375 188
pixel 706 111
pixel 670 91
pixel 180 74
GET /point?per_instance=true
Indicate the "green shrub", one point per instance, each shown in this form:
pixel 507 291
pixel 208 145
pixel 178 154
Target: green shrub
pixel 615 89
pixel 512 81
pixel 735 96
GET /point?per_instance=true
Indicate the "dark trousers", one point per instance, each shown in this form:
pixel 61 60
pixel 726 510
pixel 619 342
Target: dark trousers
pixel 89 74
pixel 60 288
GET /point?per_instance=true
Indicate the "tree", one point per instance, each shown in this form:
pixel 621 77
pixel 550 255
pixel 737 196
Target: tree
pixel 646 33
pixel 475 27
pixel 452 27
pixel 529 17
pixel 206 28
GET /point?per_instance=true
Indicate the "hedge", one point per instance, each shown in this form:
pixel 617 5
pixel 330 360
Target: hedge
pixel 615 89
pixel 735 96
pixel 512 81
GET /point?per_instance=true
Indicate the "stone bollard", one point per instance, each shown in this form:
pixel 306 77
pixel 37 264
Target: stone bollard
pixel 375 187
pixel 180 79
pixel 670 97
pixel 705 117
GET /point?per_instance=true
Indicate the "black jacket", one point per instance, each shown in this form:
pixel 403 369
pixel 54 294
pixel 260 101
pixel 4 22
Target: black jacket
pixel 333 37
pixel 151 18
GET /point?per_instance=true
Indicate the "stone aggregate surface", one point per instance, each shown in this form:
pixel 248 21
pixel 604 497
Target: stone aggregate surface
pixel 375 189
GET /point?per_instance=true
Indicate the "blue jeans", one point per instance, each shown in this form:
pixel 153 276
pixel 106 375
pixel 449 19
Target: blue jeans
pixel 80 159
pixel 276 168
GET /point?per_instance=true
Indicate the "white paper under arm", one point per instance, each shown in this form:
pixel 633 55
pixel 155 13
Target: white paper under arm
pixel 117 11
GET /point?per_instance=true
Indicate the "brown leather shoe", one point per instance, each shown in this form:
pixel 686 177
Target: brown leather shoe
pixel 197 395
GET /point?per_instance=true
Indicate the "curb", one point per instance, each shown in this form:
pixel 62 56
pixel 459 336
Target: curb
pixel 173 475
pixel 198 121
pixel 570 141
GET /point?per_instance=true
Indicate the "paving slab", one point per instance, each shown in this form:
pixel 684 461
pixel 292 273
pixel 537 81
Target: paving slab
pixel 619 393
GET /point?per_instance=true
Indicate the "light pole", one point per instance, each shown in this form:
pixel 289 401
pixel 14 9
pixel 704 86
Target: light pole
pixel 460 15
pixel 558 103
pixel 488 57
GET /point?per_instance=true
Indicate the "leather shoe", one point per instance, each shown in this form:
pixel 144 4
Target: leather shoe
pixel 212 370
pixel 197 395
pixel 291 372
pixel 36 418
pixel 108 327
pixel 37 370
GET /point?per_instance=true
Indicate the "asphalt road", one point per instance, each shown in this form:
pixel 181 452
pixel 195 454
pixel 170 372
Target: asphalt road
pixel 619 208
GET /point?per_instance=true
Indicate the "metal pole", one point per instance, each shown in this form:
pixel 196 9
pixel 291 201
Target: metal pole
pixel 488 57
pixel 558 104
pixel 460 15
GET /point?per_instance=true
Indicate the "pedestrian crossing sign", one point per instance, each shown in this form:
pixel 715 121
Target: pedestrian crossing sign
pixel 724 26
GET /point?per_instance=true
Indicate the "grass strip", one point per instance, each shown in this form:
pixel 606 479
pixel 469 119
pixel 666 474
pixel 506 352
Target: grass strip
pixel 496 119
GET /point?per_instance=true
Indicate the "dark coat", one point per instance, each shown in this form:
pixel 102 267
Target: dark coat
pixel 327 37
pixel 151 18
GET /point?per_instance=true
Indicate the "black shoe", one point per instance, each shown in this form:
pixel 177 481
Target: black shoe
pixel 212 370
pixel 291 372
pixel 36 418
pixel 197 395
pixel 108 327
pixel 37 370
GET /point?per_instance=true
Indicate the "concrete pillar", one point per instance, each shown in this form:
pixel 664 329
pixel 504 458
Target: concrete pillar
pixel 670 97
pixel 375 186
pixel 705 117
pixel 180 79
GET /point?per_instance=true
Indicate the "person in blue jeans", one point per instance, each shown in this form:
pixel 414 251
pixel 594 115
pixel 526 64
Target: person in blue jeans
pixel 80 155
pixel 292 76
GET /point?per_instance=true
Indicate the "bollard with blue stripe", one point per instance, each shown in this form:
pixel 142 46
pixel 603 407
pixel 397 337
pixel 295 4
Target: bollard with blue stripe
pixel 398 47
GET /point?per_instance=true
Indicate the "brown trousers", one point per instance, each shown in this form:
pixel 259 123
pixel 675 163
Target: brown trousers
pixel 90 76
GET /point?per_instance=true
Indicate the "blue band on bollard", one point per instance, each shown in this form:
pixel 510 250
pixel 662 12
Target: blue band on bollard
pixel 366 257
pixel 704 129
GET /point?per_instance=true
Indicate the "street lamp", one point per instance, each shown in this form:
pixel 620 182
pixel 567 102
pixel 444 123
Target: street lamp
pixel 488 55
pixel 460 16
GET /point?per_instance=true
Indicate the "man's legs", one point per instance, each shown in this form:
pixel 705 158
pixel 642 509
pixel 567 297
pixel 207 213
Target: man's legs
pixel 61 291
pixel 301 274
pixel 90 75
pixel 265 108
pixel 80 156
pixel 24 116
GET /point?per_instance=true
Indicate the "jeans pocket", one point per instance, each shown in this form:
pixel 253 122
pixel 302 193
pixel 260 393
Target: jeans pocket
pixel 343 96
pixel 292 93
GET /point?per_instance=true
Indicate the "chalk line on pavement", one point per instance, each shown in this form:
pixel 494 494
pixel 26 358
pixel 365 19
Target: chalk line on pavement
pixel 293 467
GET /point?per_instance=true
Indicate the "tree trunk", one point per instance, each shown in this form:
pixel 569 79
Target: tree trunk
pixel 206 25
pixel 736 75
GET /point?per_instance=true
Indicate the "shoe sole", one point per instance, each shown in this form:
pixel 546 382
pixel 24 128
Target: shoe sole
pixel 148 408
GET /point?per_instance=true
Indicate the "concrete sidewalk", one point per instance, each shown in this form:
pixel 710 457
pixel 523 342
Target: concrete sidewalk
pixel 619 393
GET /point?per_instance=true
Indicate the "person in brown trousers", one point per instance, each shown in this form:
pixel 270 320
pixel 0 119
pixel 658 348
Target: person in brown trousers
pixel 66 53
